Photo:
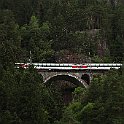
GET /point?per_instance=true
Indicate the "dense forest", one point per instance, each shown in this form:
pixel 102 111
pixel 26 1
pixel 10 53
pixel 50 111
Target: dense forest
pixel 60 31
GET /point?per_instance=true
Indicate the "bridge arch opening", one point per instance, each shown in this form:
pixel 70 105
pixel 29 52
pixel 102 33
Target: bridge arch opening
pixel 68 78
pixel 65 84
pixel 86 78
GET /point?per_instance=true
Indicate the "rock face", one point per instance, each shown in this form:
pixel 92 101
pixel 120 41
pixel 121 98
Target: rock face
pixel 96 44
pixel 101 48
pixel 67 56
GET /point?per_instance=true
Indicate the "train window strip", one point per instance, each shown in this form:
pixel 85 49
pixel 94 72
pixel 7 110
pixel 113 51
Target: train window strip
pixel 69 65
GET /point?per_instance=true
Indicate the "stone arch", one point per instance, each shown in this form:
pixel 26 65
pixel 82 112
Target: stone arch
pixel 67 77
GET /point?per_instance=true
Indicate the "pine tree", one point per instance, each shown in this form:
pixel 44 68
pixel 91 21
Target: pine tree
pixel 9 39
pixel 35 39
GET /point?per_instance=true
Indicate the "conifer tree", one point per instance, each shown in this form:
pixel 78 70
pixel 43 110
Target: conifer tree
pixel 9 39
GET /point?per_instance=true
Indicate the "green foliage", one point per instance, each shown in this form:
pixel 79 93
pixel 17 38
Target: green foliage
pixel 9 39
pixel 70 114
pixel 101 103
pixel 34 22
pixel 35 39
pixel 90 28
pixel 30 105
pixel 24 98
pixel 78 93
pixel 59 20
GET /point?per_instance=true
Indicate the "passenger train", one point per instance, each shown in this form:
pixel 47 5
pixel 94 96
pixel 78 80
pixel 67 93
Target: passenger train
pixel 70 66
